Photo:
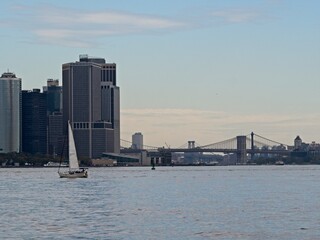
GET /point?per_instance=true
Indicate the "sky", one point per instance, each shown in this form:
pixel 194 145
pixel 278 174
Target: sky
pixel 202 70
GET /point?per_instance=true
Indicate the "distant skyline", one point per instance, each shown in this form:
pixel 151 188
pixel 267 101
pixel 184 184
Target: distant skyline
pixel 198 70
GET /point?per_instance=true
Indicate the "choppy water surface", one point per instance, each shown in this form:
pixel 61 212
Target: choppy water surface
pixel 238 202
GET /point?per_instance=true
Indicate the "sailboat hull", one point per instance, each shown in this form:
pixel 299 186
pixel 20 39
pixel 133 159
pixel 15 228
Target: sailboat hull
pixel 74 170
pixel 74 174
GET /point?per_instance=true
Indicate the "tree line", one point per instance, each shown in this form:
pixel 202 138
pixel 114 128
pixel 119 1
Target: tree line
pixel 33 160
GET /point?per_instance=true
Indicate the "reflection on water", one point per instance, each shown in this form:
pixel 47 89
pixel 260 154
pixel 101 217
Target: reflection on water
pixel 236 202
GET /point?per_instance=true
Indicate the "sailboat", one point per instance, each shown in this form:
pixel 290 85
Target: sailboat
pixel 74 170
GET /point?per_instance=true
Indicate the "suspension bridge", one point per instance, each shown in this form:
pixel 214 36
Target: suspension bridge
pixel 242 146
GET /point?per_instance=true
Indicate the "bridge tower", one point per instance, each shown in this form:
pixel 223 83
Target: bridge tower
pixel 241 149
pixel 252 146
pixel 191 144
pixel 191 157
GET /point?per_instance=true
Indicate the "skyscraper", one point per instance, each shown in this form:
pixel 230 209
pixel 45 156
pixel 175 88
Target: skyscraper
pixel 34 121
pixel 91 102
pixel 10 113
pixel 54 96
pixel 54 111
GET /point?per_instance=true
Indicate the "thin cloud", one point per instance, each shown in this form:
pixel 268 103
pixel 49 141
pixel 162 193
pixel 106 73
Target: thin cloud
pixel 236 15
pixel 177 126
pixel 50 24
pixel 82 28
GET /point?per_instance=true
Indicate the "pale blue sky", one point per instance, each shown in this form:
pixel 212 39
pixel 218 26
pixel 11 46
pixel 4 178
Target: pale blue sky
pixel 203 70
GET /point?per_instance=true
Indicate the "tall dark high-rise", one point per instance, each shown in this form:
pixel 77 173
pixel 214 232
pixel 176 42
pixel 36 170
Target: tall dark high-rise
pixel 55 134
pixel 34 122
pixel 54 96
pixel 91 102
pixel 54 111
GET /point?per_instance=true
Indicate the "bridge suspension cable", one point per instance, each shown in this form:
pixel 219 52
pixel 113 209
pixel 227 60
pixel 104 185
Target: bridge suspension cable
pixel 128 144
pixel 269 141
pixel 226 144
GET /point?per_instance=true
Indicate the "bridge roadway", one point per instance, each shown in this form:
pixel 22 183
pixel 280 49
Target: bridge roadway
pixel 208 150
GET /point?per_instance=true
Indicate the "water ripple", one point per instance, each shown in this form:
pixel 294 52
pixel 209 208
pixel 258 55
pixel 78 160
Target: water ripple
pixel 262 202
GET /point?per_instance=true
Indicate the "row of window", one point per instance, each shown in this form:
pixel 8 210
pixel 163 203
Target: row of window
pixel 109 67
pixel 85 125
pixel 108 75
pixel 80 125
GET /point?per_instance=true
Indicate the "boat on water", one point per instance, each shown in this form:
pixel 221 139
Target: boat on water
pixel 55 164
pixel 279 163
pixel 74 170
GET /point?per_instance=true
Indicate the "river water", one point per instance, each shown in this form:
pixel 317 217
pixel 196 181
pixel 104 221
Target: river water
pixel 234 202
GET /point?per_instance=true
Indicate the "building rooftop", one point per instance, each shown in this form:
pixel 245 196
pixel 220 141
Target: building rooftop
pixel 86 58
pixel 8 75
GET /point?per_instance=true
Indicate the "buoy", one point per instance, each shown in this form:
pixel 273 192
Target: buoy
pixel 153 168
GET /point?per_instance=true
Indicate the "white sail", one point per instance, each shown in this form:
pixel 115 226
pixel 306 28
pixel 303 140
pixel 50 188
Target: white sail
pixel 73 159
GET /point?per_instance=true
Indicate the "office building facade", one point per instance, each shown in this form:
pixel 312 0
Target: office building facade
pixel 91 102
pixel 34 122
pixel 55 134
pixel 10 113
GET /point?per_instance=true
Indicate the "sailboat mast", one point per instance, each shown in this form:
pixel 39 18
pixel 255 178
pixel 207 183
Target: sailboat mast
pixel 62 151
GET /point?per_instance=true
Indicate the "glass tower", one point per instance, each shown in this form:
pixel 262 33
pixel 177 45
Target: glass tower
pixel 34 121
pixel 10 113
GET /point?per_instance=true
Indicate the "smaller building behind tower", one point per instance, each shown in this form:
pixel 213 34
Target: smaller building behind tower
pixel 137 141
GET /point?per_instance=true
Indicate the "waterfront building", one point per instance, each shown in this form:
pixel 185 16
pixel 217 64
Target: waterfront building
pixel 34 122
pixel 91 102
pixel 137 141
pixel 10 113
pixel 54 112
pixel 55 134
